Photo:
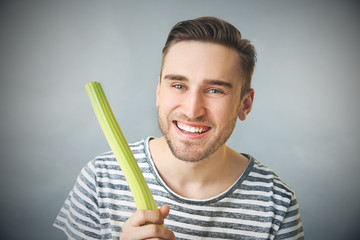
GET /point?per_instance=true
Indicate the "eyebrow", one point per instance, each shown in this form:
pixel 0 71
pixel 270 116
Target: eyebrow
pixel 175 77
pixel 219 83
pixel 208 81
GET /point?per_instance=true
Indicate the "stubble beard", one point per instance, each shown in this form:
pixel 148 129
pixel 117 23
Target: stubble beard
pixel 188 151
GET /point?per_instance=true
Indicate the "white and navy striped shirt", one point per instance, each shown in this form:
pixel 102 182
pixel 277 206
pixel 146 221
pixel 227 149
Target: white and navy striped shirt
pixel 258 206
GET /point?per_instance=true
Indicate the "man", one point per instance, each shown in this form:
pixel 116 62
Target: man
pixel 211 190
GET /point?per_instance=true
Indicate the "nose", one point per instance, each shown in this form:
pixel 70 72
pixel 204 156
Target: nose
pixel 193 105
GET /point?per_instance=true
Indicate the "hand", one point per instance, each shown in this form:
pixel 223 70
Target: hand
pixel 135 228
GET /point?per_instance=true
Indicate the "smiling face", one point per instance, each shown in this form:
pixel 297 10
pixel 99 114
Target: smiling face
pixel 198 98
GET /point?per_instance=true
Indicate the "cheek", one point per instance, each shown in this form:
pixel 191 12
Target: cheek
pixel 168 100
pixel 225 112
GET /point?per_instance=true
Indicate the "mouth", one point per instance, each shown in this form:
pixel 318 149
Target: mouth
pixel 192 128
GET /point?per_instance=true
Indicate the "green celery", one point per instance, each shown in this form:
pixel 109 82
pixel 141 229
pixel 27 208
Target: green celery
pixel 118 144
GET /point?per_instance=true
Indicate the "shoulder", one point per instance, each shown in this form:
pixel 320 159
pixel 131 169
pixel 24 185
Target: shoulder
pixel 281 199
pixel 263 180
pixel 107 162
pixel 103 162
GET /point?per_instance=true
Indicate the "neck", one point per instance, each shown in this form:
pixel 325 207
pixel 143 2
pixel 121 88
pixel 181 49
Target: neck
pixel 204 179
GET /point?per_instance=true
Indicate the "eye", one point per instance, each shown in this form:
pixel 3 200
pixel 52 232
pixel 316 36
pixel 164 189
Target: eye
pixel 178 86
pixel 215 91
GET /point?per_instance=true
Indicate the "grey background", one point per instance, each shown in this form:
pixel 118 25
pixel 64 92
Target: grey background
pixel 304 123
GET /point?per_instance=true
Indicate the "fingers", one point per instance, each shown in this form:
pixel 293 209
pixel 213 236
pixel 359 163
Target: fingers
pixel 164 211
pixel 142 217
pixel 153 231
pixel 137 227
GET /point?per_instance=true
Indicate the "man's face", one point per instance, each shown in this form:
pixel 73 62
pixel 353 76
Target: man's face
pixel 198 98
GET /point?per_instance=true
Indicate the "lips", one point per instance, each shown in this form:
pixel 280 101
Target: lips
pixel 192 128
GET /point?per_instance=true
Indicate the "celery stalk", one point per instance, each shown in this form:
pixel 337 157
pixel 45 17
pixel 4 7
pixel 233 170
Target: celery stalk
pixel 118 144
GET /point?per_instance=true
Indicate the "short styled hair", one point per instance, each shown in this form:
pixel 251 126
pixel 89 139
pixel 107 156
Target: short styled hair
pixel 212 29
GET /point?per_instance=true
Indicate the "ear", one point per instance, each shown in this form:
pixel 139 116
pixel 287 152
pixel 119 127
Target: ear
pixel 246 104
pixel 158 93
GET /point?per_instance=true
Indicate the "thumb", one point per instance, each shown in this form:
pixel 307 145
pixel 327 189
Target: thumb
pixel 164 211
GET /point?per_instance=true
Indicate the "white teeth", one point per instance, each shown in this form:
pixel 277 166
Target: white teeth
pixel 190 129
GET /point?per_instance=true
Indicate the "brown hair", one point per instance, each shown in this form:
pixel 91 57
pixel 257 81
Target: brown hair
pixel 212 29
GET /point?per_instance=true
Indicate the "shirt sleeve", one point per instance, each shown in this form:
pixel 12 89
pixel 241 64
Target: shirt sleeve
pixel 291 227
pixel 79 217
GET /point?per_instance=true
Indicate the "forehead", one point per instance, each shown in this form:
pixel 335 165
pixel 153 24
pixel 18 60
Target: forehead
pixel 211 60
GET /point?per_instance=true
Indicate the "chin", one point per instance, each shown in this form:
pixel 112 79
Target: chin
pixel 188 152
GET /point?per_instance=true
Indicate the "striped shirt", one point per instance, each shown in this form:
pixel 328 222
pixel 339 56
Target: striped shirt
pixel 257 206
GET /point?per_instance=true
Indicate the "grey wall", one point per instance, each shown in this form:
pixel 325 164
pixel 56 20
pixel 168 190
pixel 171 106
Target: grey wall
pixel 304 123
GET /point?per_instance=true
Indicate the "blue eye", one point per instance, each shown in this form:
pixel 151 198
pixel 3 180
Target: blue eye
pixel 178 86
pixel 215 91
